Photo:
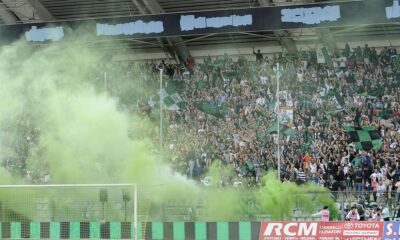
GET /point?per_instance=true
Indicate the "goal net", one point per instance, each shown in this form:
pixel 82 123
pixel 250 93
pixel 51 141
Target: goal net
pixel 95 211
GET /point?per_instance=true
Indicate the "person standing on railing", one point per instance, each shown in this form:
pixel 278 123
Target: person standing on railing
pixel 374 187
pixel 386 214
pixel 397 185
pixel 380 192
pixel 324 214
pixel 358 178
pixel 361 212
pixel 367 190
pixel 259 56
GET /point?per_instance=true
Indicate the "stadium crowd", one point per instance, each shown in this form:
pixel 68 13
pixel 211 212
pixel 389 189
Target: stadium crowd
pixel 230 111
pixel 358 87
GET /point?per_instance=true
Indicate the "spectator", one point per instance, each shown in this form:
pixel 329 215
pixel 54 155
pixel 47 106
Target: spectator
pixel 386 213
pixel 361 212
pixel 353 214
pixel 377 215
pixel 358 178
pixel 357 86
pixel 324 214
pixel 397 186
pixel 259 56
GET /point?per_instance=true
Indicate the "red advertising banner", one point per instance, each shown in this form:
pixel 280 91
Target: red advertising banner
pixel 321 230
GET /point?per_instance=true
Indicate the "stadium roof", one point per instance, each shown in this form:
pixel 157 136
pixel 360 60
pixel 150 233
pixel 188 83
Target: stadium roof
pixel 17 11
pixel 83 9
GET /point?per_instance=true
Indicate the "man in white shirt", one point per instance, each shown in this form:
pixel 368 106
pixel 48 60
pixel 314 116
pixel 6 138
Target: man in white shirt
pixel 381 192
pixel 313 168
pixel 324 214
pixel 397 191
pixel 260 101
pixel 377 215
pixel 386 214
pixel 376 175
pixel 353 215
pixel 264 79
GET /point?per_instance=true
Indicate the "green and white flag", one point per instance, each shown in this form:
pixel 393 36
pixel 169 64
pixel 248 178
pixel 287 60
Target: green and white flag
pixel 217 111
pixel 364 138
pixel 171 99
pixel 322 55
pixel 283 129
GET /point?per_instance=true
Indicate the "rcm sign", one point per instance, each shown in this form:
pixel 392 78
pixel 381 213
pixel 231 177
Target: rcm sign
pixel 283 230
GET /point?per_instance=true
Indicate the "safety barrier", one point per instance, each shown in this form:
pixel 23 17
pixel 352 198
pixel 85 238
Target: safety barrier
pixel 203 230
pixel 125 230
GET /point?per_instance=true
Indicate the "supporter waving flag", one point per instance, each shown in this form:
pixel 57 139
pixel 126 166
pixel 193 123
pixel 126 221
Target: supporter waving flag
pixel 218 111
pixel 323 55
pixel 171 99
pixel 364 138
pixel 283 129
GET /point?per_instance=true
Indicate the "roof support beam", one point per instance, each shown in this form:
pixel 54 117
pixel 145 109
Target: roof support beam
pixel 29 10
pixel 41 11
pixel 327 39
pixel 286 40
pixel 153 6
pixel 6 15
pixel 283 35
pixel 325 35
pixel 143 9
pixel 264 3
pixel 181 49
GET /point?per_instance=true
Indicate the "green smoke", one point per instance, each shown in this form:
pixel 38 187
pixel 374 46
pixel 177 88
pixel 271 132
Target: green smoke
pixel 83 137
pixel 280 198
pixel 275 199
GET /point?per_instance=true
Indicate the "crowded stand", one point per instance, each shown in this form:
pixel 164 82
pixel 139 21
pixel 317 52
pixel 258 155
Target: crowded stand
pixel 230 120
pixel 226 110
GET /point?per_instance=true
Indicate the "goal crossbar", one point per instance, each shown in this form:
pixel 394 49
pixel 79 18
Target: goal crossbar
pixel 69 185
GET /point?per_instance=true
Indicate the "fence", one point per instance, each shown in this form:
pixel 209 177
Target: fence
pixel 185 211
pixel 116 204
pixel 202 230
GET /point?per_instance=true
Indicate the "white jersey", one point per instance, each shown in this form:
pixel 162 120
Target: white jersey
pixel 353 217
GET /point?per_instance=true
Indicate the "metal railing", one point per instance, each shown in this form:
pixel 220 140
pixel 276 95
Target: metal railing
pixel 344 200
pixel 68 204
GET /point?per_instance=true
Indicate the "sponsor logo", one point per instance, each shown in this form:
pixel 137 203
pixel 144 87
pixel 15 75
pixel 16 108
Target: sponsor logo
pixel 291 229
pixel 327 230
pixel 391 231
pixel 348 225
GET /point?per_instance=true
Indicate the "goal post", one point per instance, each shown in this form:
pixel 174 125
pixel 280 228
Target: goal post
pixel 113 205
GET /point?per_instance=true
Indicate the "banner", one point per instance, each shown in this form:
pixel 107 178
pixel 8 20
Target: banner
pixel 391 231
pixel 321 231
pixel 365 138
pixel 171 99
pixel 286 108
pixel 344 13
pixel 322 55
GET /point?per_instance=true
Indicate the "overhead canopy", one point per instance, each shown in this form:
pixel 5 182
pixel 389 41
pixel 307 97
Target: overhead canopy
pixel 268 33
pixel 347 13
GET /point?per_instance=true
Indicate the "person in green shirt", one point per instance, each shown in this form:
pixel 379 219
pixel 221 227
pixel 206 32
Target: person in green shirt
pixel 357 161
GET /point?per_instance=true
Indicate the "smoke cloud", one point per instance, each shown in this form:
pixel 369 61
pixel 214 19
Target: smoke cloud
pixel 82 135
